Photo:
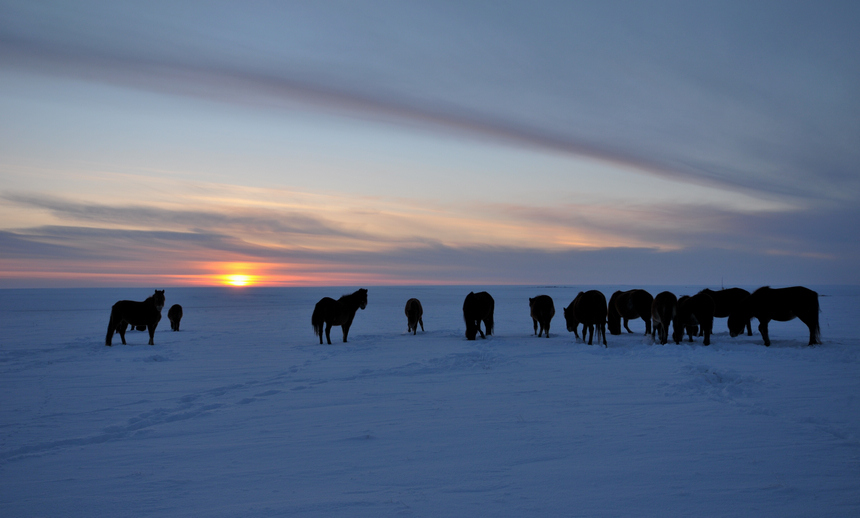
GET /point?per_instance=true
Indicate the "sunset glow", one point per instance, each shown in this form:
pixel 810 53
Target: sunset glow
pixel 238 279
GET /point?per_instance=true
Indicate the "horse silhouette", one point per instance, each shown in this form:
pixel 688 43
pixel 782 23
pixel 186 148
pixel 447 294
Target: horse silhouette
pixel 693 313
pixel 588 308
pixel 338 312
pixel 663 311
pixel 477 308
pixel 414 312
pixel 629 305
pixel 780 304
pixel 174 315
pixel 725 302
pixel 134 313
pixel 542 310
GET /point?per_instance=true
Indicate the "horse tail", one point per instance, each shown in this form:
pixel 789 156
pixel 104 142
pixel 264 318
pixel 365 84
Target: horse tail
pixel 317 320
pixel 111 326
pixel 489 322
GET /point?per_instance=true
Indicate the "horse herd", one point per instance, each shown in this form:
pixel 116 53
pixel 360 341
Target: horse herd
pixel 692 315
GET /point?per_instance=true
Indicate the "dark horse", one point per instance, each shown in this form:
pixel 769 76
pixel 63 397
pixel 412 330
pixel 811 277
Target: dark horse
pixel 338 312
pixel 782 305
pixel 136 314
pixel 725 302
pixel 663 311
pixel 588 309
pixel 542 310
pixel 174 315
pixel 478 307
pixel 629 305
pixel 414 312
pixel 694 312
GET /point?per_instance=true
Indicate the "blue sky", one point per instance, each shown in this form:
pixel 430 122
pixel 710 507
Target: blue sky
pixel 369 143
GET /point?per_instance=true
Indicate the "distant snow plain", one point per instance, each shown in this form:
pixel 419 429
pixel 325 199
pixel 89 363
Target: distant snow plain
pixel 243 413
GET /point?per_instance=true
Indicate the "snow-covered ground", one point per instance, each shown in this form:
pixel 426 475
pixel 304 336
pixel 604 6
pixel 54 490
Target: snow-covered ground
pixel 243 413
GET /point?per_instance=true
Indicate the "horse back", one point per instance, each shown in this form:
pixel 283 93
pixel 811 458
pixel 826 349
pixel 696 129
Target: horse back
pixel 135 313
pixel 413 310
pixel 327 310
pixel 542 307
pixel 640 302
pixel 725 301
pixel 590 307
pixel 784 303
pixel 478 305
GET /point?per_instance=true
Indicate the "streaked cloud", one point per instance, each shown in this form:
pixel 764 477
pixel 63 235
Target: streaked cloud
pixel 398 142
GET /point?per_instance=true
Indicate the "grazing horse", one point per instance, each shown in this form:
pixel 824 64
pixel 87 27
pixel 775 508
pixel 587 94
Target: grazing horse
pixel 588 309
pixel 782 305
pixel 338 312
pixel 725 302
pixel 478 307
pixel 414 312
pixel 136 314
pixel 663 311
pixel 542 310
pixel 694 312
pixel 174 314
pixel 629 305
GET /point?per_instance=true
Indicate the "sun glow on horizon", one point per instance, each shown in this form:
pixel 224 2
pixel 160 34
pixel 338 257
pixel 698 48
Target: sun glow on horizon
pixel 237 279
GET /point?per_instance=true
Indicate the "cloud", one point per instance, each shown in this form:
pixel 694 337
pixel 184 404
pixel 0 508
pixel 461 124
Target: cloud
pixel 740 113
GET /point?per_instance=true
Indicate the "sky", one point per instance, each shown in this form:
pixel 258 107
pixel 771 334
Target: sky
pixel 468 142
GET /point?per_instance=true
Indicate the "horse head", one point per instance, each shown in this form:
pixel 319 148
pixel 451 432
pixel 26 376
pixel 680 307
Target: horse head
pixel 570 319
pixel 158 299
pixel 362 293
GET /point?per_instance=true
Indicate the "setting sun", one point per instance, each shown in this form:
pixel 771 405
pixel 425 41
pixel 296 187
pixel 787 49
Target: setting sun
pixel 238 280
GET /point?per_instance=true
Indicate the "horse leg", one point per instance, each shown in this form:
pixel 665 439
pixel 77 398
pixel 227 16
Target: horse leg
pixel 534 321
pixel 327 333
pixel 421 323
pixel 811 322
pixel 601 331
pixel 762 328
pixel 749 327
pixel 590 333
pixel 546 329
pixel 479 328
pixel 707 327
pixel 110 330
pixel 152 333
pixel 626 320
pixel 648 330
pixel 345 328
pixel 121 330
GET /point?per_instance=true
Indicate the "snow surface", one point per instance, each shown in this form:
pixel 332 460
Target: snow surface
pixel 243 413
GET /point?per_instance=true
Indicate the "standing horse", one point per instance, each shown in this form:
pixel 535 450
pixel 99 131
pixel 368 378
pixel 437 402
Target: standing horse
pixel 782 305
pixel 136 314
pixel 694 312
pixel 414 312
pixel 725 302
pixel 663 311
pixel 174 315
pixel 589 309
pixel 478 307
pixel 629 305
pixel 338 312
pixel 542 310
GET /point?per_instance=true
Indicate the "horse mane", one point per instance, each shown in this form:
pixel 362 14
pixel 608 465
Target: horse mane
pixel 762 289
pixel 356 293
